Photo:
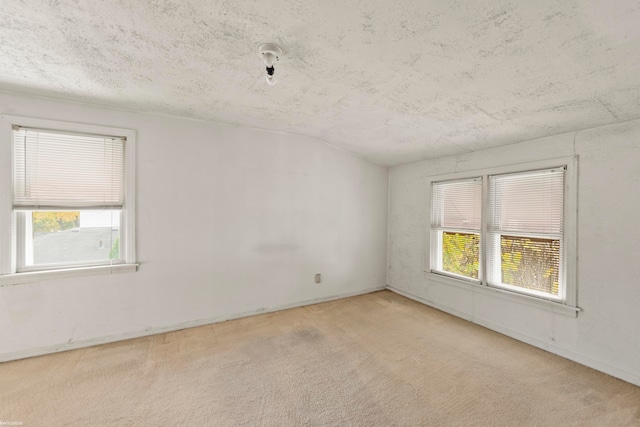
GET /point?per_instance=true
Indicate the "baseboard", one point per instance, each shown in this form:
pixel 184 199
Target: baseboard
pixel 567 354
pixel 72 345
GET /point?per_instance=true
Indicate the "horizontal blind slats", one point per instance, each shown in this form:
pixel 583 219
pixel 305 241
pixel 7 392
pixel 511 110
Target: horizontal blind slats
pixel 457 204
pixel 67 170
pixel 527 202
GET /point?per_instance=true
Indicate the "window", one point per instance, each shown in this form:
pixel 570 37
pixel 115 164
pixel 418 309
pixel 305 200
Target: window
pixel 71 201
pixel 456 227
pixel 508 228
pixel 525 238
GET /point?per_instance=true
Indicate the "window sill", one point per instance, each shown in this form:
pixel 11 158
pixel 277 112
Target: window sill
pixel 38 276
pixel 542 304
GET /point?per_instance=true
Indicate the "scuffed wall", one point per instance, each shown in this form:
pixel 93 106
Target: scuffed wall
pixel 230 221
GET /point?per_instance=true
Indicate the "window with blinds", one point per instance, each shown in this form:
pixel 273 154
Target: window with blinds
pixel 456 223
pixel 526 229
pixel 68 195
pixel 506 228
pixel 63 170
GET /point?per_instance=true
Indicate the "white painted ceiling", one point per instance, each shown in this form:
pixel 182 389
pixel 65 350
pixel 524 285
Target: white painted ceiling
pixel 392 81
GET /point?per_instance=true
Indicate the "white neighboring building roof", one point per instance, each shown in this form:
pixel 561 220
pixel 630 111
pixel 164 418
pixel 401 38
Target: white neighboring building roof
pixel 100 219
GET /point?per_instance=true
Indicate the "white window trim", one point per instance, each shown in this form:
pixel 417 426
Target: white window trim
pixel 8 275
pixel 441 229
pixel 568 305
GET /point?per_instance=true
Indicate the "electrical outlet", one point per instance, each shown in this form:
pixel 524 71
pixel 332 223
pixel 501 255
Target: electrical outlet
pixel 318 278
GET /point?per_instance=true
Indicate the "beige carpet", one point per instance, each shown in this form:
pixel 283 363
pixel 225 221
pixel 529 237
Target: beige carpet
pixel 373 360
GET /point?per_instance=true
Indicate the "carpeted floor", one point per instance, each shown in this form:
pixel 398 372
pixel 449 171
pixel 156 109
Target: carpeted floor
pixel 372 360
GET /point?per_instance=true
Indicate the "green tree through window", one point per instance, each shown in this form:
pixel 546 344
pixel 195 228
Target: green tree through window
pixel 531 263
pixel 461 253
pixel 48 222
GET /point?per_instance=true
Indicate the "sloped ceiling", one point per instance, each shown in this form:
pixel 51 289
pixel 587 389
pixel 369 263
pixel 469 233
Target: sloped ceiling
pixel 391 81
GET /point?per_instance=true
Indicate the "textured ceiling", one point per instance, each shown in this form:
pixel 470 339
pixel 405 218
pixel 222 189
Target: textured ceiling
pixel 391 81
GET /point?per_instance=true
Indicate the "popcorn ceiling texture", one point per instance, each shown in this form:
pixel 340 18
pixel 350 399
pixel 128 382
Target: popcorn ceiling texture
pixel 393 82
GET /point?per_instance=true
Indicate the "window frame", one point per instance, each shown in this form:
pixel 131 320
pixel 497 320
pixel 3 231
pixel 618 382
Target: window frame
pixel 9 221
pixel 440 230
pixel 567 303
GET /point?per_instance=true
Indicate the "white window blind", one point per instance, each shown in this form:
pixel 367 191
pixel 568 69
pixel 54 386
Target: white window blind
pixel 530 201
pixel 526 230
pixel 457 205
pixel 66 170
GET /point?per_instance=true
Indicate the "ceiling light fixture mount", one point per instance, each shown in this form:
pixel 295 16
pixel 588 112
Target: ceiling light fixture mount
pixel 270 54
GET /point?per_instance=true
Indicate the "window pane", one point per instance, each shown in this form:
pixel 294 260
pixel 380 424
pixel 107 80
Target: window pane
pixel 531 263
pixel 461 253
pixel 62 237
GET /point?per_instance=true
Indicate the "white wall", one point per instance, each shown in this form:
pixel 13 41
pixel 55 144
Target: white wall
pixel 605 334
pixel 230 221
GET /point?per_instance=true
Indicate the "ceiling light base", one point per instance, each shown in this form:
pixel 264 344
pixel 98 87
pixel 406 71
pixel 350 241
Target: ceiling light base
pixel 270 54
pixel 272 48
